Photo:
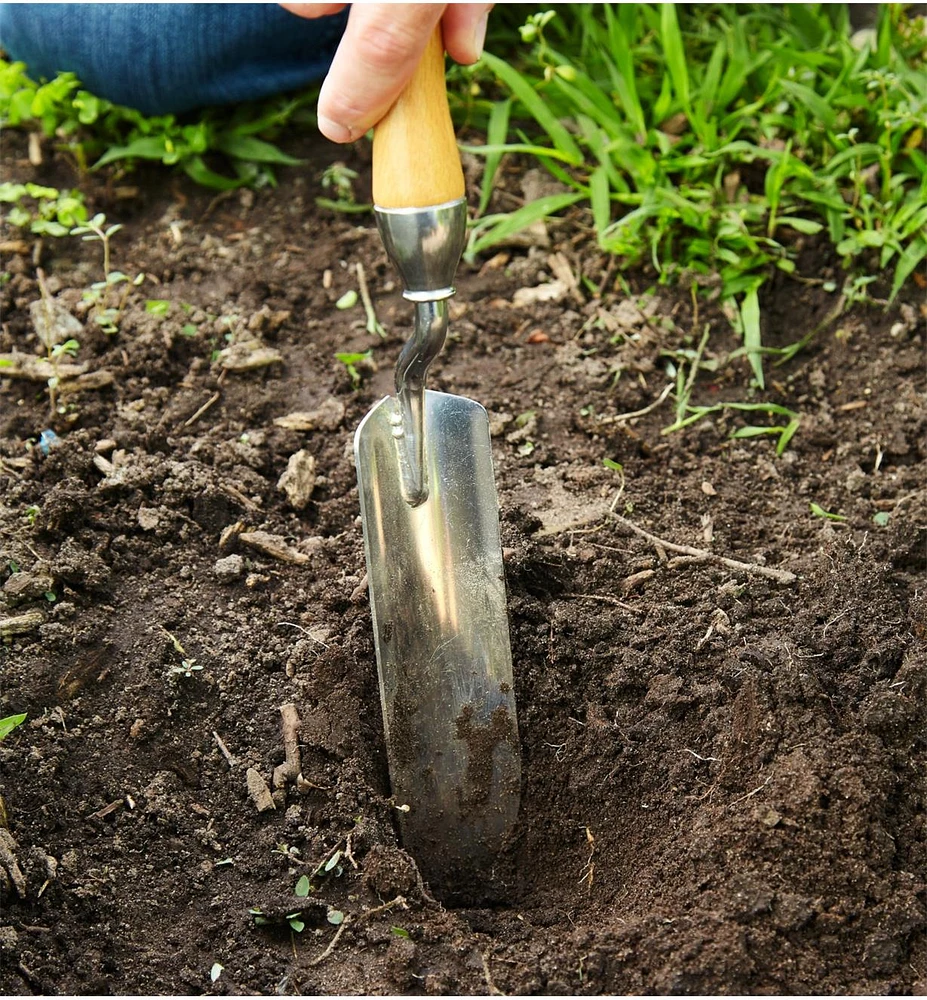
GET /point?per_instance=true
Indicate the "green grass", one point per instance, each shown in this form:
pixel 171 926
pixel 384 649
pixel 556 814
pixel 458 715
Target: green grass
pixel 707 139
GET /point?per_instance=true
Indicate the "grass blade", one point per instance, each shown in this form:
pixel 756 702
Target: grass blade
pixel 813 101
pixel 750 316
pixel 675 53
pixel 601 203
pixel 496 133
pixel 501 227
pixel 533 102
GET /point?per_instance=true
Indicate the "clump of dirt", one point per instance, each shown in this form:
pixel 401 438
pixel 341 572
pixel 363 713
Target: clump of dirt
pixel 720 695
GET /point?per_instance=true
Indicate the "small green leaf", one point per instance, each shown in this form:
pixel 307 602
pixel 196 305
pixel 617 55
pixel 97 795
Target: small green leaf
pixel 157 307
pixel 246 147
pixel 610 463
pixel 8 724
pixel 881 519
pixel 296 924
pixel 335 917
pixel 150 147
pixel 333 861
pixel 806 226
pixel 303 886
pixel 400 932
pixel 348 300
pixel 189 330
pixel 215 971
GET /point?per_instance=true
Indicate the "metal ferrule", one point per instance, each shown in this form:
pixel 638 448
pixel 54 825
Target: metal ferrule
pixel 425 245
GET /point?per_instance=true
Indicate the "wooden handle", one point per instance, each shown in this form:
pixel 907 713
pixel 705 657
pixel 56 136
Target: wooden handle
pixel 415 159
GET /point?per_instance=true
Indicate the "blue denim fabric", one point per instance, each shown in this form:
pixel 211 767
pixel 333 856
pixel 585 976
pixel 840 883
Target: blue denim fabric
pixel 172 57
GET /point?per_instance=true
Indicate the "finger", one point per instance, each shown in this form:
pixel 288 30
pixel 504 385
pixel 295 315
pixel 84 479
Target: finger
pixel 379 50
pixel 313 10
pixel 464 27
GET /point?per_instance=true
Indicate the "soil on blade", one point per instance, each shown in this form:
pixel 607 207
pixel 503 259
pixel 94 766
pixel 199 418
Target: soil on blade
pixel 722 770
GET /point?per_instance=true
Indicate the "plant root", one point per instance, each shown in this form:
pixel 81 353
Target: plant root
pixel 703 555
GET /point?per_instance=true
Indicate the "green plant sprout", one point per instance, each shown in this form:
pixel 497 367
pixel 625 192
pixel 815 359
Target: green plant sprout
pixel 95 230
pixel 10 723
pixel 107 304
pixel 351 362
pixel 818 511
pixel 338 178
pixel 187 666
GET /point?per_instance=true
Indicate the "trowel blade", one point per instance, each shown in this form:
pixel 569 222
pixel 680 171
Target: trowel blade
pixel 437 596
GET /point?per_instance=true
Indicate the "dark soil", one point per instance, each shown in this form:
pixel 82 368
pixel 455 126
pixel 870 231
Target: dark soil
pixel 722 773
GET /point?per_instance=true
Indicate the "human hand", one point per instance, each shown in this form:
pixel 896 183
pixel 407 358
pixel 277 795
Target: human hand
pixel 379 51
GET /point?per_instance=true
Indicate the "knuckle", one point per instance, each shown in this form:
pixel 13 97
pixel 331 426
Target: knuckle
pixel 384 46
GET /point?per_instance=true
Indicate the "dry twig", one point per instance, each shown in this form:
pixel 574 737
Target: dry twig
pixel 289 770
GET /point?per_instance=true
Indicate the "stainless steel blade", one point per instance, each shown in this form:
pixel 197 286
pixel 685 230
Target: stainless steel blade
pixel 437 595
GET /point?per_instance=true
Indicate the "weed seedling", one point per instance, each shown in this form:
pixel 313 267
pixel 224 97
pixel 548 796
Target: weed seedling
pixel 107 303
pixel 45 211
pixel 187 666
pixel 818 511
pixel 352 361
pixel 339 179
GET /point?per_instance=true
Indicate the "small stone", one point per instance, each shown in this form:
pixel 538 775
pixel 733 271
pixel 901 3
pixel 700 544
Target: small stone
pixel 258 791
pixel 708 489
pixel 148 518
pixel 229 568
pixel 298 481
pixel 770 817
pixel 105 446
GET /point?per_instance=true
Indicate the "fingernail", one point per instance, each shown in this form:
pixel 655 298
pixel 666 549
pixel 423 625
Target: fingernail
pixel 334 130
pixel 479 34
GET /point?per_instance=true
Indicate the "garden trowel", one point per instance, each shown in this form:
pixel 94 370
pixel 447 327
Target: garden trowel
pixel 431 530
